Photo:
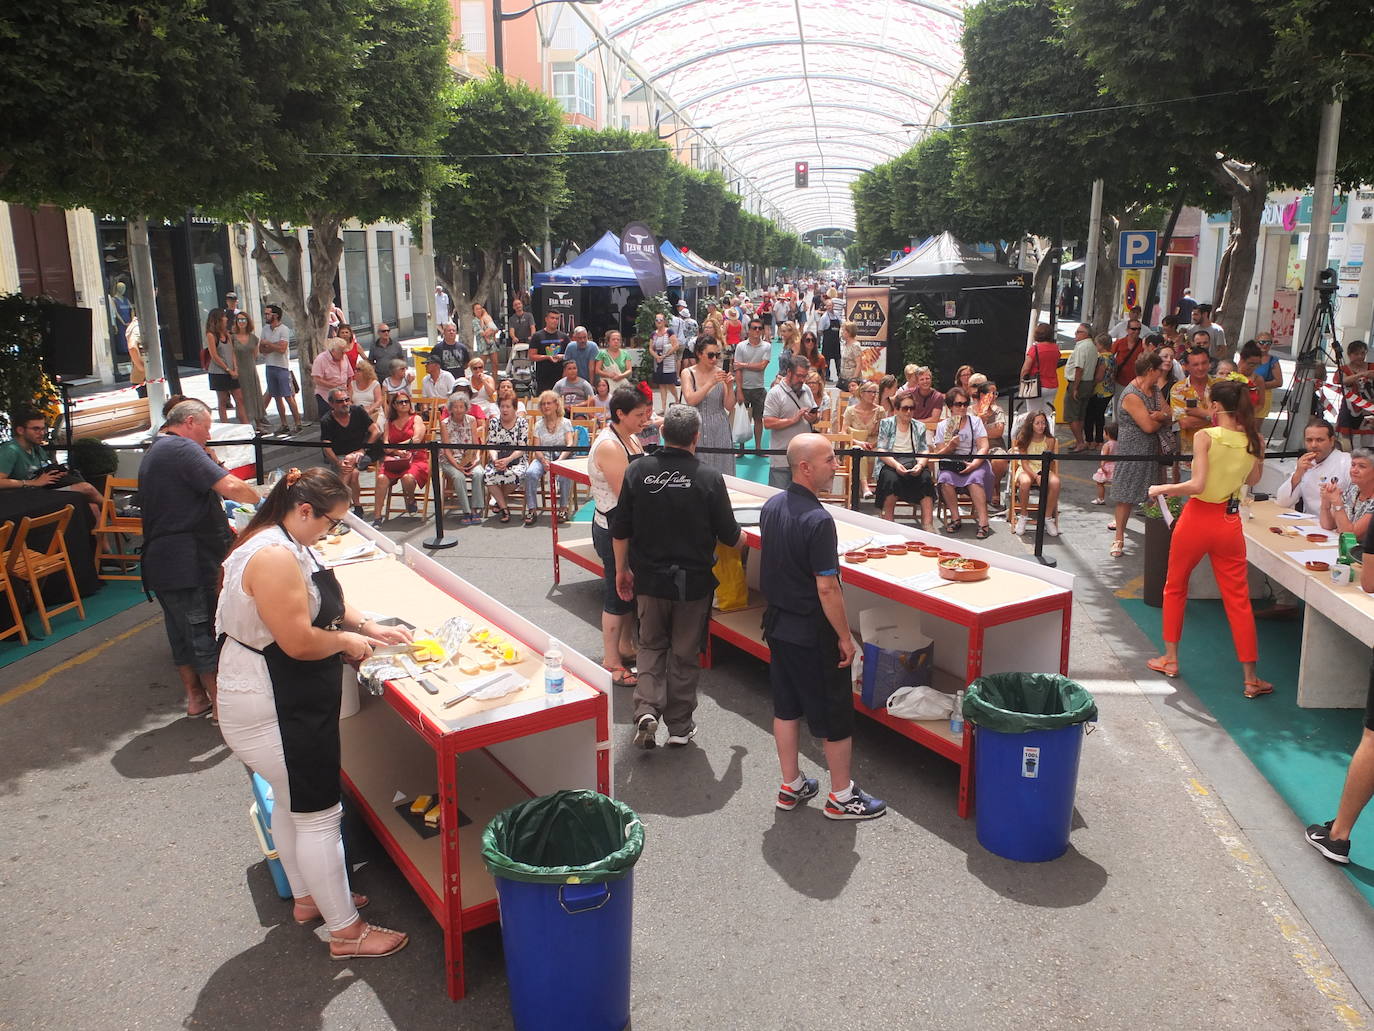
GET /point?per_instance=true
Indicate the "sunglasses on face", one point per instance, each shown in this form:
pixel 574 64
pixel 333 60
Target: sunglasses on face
pixel 402 401
pixel 907 408
pixel 710 354
pixel 958 404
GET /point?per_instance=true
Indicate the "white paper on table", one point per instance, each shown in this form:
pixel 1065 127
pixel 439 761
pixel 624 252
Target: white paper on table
pixel 1327 555
pixel 1297 517
pixel 927 581
pixel 882 540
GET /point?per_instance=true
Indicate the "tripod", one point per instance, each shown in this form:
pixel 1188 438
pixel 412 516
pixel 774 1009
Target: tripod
pixel 1319 344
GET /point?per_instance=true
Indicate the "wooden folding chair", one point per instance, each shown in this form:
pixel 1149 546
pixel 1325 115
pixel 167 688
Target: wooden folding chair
pixel 7 588
pixel 839 492
pixel 112 534
pixel 37 566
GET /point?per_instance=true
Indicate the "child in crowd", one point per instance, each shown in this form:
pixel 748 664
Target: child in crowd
pixel 1103 475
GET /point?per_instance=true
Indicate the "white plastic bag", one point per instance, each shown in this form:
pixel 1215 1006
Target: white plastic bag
pixel 920 703
pixel 741 425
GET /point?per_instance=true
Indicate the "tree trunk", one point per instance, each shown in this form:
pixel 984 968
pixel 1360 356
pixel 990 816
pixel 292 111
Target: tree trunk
pixel 1104 286
pixel 1039 281
pixel 309 315
pixel 1248 186
pixel 490 289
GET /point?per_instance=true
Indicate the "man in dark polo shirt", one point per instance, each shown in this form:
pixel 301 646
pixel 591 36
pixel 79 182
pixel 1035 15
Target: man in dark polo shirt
pixel 185 538
pixel 346 433
pixel 808 633
pixel 672 511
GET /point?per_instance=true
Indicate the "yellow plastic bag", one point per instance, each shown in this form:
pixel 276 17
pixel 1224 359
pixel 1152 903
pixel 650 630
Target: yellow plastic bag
pixel 731 590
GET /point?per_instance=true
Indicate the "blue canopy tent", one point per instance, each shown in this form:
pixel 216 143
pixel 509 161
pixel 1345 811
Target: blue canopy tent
pixel 596 289
pixel 673 256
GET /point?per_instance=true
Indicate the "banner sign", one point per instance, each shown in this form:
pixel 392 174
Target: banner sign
pixel 869 308
pixel 566 301
pixel 640 249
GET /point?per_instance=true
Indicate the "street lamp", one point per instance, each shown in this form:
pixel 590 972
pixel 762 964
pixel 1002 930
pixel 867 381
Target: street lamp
pixel 497 17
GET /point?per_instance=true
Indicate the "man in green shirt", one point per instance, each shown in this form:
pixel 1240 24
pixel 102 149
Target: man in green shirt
pixel 23 457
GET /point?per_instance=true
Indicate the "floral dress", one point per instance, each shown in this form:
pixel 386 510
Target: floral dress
pixel 499 441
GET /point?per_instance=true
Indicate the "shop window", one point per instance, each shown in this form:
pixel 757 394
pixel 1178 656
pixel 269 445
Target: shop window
pixel 386 274
pixel 358 304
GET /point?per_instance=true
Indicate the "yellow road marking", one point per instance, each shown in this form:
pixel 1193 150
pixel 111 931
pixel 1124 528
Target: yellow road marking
pixel 72 663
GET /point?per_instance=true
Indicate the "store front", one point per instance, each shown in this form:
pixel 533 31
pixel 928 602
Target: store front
pixel 191 273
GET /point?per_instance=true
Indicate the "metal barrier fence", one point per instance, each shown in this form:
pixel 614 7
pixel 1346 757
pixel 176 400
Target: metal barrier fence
pixel 853 456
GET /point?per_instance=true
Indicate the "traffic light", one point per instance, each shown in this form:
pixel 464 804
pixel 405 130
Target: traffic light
pixel 906 249
pixel 685 249
pixel 803 174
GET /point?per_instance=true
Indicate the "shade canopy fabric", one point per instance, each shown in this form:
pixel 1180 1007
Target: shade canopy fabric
pixel 601 264
pixel 674 258
pixel 941 255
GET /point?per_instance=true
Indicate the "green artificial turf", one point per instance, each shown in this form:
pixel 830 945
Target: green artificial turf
pixel 112 599
pixel 1303 753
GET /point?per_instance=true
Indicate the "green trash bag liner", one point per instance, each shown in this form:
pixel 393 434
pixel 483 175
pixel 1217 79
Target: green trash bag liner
pixel 569 837
pixel 1015 703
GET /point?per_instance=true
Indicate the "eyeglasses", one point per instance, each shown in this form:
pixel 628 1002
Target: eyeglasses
pixel 756 326
pixel 339 401
pixel 906 408
pixel 958 404
pixel 1134 329
pixel 383 332
pixel 334 524
pixel 402 401
pixel 710 354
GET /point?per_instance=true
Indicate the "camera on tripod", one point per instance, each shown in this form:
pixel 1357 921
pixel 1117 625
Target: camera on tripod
pixel 1326 282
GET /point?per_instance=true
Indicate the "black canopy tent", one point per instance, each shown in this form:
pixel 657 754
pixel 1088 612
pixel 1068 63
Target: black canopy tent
pixel 980 308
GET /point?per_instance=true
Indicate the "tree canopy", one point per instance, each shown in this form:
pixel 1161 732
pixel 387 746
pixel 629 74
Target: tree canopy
pixel 607 190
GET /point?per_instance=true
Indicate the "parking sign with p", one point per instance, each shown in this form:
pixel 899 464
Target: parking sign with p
pixel 1136 249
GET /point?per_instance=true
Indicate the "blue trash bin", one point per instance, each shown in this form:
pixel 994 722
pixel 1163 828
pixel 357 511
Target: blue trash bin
pixel 568 953
pixel 563 866
pixel 1027 739
pixel 1025 784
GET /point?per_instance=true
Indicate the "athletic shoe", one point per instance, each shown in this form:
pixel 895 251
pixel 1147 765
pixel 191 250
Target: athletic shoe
pixel 678 740
pixel 1052 526
pixel 358 511
pixel 1020 525
pixel 790 798
pixel 646 731
pixel 1319 837
pixel 860 806
pixel 1099 501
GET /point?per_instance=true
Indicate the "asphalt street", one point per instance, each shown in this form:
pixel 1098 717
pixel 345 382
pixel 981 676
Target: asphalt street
pixel 137 897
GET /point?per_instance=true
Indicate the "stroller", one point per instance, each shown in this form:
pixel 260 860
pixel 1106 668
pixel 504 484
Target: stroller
pixel 521 372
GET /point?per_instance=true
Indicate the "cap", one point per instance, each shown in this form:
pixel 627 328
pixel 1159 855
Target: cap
pixel 462 381
pixel 231 296
pixel 432 359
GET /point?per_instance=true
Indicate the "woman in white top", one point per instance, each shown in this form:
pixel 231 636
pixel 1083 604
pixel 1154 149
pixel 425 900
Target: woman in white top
pixel 483 386
pixel 463 467
pixel 665 348
pixel 287 631
pixel 400 379
pixel 555 434
pixel 610 456
pixel 367 392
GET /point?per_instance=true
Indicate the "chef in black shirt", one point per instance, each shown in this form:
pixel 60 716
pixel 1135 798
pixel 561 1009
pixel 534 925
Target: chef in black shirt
pixel 546 349
pixel 672 511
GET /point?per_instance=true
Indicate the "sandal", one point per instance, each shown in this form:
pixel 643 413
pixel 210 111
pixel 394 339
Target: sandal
pixel 357 944
pixel 630 661
pixel 1254 687
pixel 209 708
pixel 953 525
pixel 530 518
pixel 360 901
pixel 984 532
pixel 1162 665
pixel 1118 548
pixel 503 515
pixel 622 677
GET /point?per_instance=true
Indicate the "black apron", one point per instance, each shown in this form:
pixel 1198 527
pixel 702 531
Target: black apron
pixel 307 695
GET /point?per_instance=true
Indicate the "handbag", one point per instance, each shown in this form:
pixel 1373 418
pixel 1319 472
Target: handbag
pixel 1029 387
pixel 295 383
pixel 205 358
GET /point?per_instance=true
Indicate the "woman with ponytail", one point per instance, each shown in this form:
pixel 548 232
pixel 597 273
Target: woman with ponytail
pixel 286 630
pixel 1227 457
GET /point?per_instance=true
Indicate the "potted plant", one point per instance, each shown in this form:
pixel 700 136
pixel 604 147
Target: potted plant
pixel 1158 534
pixel 95 460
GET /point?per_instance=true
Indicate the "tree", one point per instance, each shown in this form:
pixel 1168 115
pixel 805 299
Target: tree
pixel 1248 138
pixel 703 197
pixel 607 190
pixel 492 204
pixel 389 90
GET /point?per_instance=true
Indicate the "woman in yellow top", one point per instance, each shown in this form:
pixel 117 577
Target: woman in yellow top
pixel 1226 458
pixel 1035 438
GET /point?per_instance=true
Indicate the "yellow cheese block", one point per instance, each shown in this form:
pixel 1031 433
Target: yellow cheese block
pixel 432 817
pixel 421 804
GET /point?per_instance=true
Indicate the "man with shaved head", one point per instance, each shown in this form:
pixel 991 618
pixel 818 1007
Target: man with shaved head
pixel 808 633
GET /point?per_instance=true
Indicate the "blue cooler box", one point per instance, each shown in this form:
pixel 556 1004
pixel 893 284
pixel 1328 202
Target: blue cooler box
pixel 260 812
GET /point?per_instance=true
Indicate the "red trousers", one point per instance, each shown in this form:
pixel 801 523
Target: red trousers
pixel 1204 528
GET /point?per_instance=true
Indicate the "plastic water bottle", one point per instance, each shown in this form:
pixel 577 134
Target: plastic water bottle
pixel 553 668
pixel 956 718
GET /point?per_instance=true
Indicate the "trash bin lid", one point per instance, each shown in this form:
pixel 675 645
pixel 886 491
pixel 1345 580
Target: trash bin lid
pixel 569 837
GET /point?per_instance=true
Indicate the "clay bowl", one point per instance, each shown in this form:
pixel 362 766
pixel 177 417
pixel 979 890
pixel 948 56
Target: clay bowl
pixel 928 551
pixel 1318 567
pixel 876 552
pixel 974 569
pixel 948 554
pixel 896 549
pixel 1318 538
pixel 1276 529
pixel 855 557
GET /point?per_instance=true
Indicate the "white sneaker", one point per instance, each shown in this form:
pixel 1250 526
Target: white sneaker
pixel 1052 527
pixel 1020 526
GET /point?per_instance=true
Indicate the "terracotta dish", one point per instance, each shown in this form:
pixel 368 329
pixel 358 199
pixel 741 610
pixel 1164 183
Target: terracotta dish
pixel 896 549
pixel 1318 567
pixel 963 569
pixel 928 551
pixel 1276 529
pixel 1317 538
pixel 855 556
pixel 876 552
pixel 947 554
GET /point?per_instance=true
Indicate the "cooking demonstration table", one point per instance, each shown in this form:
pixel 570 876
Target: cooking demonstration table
pixel 1338 621
pixel 1017 620
pixel 478 757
